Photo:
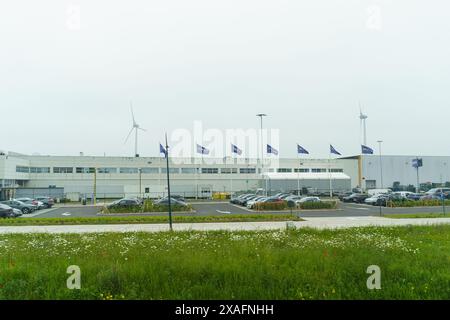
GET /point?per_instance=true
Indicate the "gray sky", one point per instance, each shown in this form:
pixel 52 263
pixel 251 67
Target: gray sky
pixel 65 87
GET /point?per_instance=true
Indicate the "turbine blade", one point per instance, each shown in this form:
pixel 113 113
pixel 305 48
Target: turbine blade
pixel 142 129
pixel 128 137
pixel 132 113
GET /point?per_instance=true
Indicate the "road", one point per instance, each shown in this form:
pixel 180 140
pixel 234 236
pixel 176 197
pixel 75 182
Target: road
pixel 223 208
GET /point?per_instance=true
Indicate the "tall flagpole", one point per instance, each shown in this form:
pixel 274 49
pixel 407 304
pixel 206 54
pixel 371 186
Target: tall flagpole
pixel 298 172
pixel 329 173
pixel 168 185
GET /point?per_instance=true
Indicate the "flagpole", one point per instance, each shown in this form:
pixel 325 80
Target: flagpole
pixel 168 185
pixel 329 173
pixel 298 172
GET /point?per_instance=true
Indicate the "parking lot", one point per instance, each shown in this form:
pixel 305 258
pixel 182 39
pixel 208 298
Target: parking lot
pixel 223 208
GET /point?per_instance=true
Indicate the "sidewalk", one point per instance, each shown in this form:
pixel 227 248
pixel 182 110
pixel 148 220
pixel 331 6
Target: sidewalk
pixel 317 223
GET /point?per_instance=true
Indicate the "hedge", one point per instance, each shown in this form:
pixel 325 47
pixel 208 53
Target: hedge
pixel 420 203
pixel 148 206
pixel 318 205
pixel 276 206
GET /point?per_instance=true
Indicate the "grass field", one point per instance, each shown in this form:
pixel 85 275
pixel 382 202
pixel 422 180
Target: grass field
pixel 293 264
pixel 146 219
pixel 417 215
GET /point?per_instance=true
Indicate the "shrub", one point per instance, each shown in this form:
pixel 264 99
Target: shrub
pixel 420 203
pixel 148 206
pixel 318 205
pixel 275 206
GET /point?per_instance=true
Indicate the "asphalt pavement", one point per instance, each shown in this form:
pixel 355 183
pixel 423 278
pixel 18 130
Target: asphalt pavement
pixel 223 208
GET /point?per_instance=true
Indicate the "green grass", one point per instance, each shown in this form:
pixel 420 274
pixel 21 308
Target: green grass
pixel 294 264
pixel 146 219
pixel 417 215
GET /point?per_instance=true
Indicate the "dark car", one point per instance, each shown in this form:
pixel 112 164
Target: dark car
pixel 273 200
pixel 6 211
pixel 341 196
pixel 123 203
pixel 47 201
pixel 243 200
pixel 37 204
pixel 24 207
pixel 235 200
pixel 356 198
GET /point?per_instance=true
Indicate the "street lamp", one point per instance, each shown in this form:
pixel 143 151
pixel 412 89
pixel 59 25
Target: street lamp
pixel 381 173
pixel 381 164
pixel 261 116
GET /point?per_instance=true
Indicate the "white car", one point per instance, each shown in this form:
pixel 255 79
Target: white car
pixel 251 203
pixel 307 199
pixel 403 194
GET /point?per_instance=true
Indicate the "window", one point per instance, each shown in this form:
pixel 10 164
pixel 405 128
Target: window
pixel 188 170
pixel 20 169
pixel 171 170
pixel 301 170
pixel 284 170
pixel 228 170
pixel 336 170
pixel 316 170
pixel 210 170
pixel 85 170
pixel 40 170
pixel 107 170
pixel 247 170
pixel 150 170
pixel 62 170
pixel 129 170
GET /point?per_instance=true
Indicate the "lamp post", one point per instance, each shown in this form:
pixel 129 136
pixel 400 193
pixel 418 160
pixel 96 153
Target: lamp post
pixel 381 173
pixel 261 116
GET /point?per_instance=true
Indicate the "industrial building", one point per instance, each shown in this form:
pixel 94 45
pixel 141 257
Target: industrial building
pixel 75 177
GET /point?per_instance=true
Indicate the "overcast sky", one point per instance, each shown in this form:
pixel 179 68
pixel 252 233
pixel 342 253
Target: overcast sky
pixel 68 70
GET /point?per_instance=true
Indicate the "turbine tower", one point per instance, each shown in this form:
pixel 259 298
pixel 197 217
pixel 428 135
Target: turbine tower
pixel 363 118
pixel 136 129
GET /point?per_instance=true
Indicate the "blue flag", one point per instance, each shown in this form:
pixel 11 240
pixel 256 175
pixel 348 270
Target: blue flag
pixel 162 150
pixel 301 150
pixel 271 150
pixel 202 150
pixel 334 151
pixel 366 150
pixel 235 149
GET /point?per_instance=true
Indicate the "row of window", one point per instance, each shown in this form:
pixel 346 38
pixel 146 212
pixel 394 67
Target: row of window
pixel 84 170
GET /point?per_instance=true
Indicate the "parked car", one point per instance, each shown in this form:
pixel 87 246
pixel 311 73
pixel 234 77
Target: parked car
pixel 373 199
pixel 342 195
pixel 39 205
pixel 122 203
pixel 6 211
pixel 244 199
pixel 308 199
pixel 23 207
pixel 17 213
pixel 244 202
pixel 272 200
pixel 251 203
pixel 356 198
pixel 374 192
pixel 436 194
pixel 402 194
pixel 414 196
pixel 238 198
pixel 47 201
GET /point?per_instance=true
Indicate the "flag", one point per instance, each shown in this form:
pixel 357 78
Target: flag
pixel 334 151
pixel 162 150
pixel 366 150
pixel 417 163
pixel 202 150
pixel 235 149
pixel 301 150
pixel 271 150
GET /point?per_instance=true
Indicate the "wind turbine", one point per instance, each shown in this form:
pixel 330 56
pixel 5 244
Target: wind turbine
pixel 363 124
pixel 136 129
